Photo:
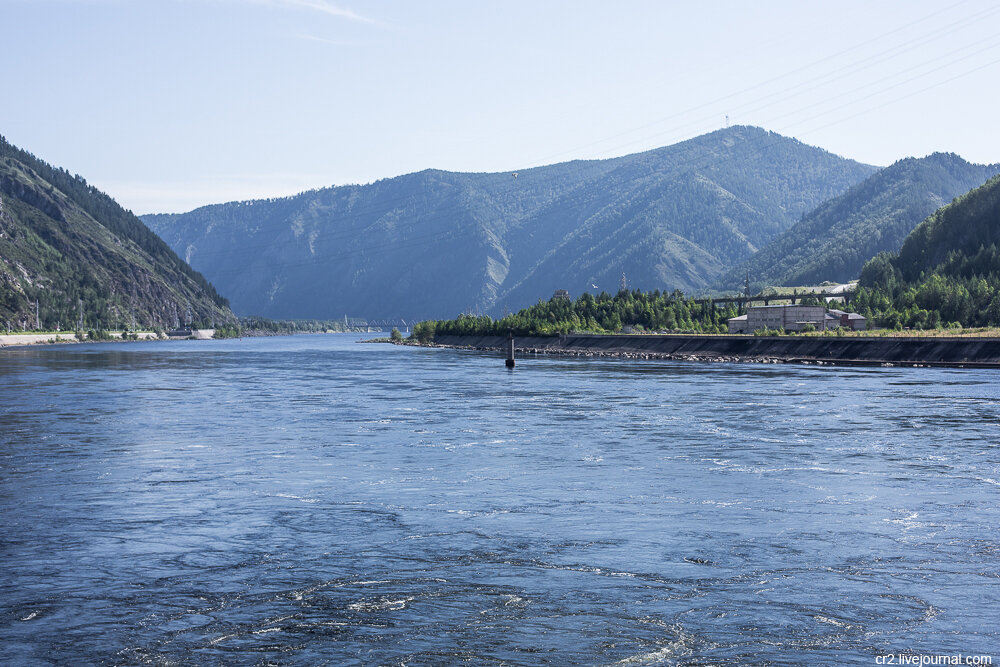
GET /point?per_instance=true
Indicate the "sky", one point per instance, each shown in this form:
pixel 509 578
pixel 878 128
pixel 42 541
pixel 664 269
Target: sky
pixel 168 105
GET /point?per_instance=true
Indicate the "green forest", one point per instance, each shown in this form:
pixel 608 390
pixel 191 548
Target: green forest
pixel 72 258
pixel 675 216
pixel 947 273
pixel 834 241
pixel 642 311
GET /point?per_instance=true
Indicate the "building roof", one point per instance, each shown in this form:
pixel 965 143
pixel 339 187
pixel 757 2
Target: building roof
pixel 850 316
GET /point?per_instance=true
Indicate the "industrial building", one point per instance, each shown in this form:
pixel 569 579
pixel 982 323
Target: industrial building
pixel 794 318
pixel 851 321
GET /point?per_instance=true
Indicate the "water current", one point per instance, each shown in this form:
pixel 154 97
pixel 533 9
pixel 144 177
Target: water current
pixel 311 500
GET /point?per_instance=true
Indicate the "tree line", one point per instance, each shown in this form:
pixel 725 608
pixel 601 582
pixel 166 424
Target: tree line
pixel 641 311
pixel 947 272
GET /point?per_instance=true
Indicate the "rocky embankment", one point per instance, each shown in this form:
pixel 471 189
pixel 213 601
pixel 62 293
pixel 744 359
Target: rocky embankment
pixel 907 351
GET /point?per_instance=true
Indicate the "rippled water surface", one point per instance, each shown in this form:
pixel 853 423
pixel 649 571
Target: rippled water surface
pixel 311 501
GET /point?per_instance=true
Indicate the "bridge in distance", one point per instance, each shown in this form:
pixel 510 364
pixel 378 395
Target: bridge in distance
pixel 381 325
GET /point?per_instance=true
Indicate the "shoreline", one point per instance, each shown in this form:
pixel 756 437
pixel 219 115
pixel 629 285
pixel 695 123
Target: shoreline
pixel 20 340
pixel 61 337
pixel 949 352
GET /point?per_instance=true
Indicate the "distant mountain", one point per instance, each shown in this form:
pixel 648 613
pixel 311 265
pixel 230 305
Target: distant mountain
pixel 71 248
pixel 835 240
pixel 434 243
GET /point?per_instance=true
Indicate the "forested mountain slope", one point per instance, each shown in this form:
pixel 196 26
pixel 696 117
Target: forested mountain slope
pixel 958 240
pixel 948 270
pixel 434 243
pixel 76 252
pixel 835 240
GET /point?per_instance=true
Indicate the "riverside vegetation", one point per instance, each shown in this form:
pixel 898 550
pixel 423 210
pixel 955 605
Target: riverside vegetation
pixel 947 275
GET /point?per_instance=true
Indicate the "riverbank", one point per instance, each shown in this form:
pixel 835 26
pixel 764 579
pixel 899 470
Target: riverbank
pixel 10 340
pixel 52 337
pixel 978 352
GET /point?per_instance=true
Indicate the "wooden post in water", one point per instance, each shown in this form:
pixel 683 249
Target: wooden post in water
pixel 510 349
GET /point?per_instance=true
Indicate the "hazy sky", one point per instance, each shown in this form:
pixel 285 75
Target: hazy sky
pixel 172 104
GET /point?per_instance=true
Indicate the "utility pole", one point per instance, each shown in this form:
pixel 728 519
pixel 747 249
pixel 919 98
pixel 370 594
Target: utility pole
pixel 79 310
pixel 746 293
pixel 38 324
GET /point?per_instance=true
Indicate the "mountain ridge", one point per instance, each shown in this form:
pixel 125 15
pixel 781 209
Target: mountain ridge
pixel 72 249
pixel 834 241
pixel 947 272
pixel 435 243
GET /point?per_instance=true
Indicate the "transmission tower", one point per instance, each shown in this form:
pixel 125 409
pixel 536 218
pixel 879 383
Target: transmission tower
pixel 624 284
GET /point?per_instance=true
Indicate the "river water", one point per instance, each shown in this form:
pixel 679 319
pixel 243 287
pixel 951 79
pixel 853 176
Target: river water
pixel 314 501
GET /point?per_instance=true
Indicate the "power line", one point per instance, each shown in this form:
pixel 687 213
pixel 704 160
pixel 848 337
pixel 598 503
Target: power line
pixel 819 82
pixel 357 213
pixel 704 105
pixel 442 213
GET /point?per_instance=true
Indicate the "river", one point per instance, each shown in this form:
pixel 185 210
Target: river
pixel 310 500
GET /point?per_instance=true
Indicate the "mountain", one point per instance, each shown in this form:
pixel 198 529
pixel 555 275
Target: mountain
pixel 959 240
pixel 947 272
pixel 71 248
pixel 435 243
pixel 835 240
